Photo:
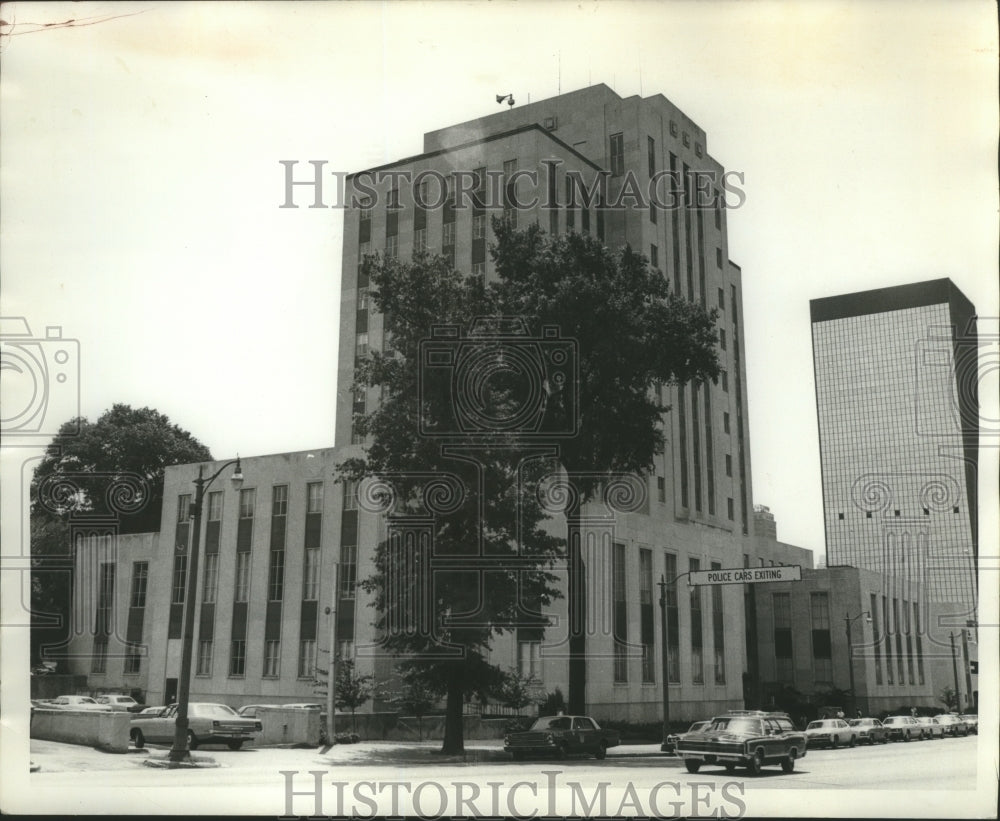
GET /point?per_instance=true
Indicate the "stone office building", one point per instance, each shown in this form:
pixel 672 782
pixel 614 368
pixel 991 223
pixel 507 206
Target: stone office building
pixel 277 585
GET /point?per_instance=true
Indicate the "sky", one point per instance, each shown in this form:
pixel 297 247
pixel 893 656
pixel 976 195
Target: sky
pixel 140 180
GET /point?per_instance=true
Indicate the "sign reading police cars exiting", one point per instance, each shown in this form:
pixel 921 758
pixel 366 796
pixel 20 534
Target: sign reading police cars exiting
pixel 747 575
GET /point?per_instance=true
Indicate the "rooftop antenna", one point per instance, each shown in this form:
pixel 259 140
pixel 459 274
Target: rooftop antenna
pixel 508 97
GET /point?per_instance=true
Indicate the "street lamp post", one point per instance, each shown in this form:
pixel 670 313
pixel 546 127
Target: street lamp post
pixel 665 668
pixel 179 752
pixel 848 620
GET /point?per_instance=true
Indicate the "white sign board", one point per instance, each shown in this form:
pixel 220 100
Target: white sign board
pixel 747 575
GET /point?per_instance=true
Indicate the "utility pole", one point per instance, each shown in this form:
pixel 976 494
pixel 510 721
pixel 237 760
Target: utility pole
pixel 954 672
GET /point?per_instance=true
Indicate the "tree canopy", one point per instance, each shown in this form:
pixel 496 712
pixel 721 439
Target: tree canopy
pixel 486 390
pixel 112 470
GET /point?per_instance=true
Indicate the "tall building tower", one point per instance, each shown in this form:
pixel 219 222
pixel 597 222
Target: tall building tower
pixel 698 509
pixel 897 405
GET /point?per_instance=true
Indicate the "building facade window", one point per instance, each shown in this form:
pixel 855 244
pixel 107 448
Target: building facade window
pixel 180 580
pixel 314 497
pixel 348 570
pixel 307 658
pixel 619 613
pixel 617 152
pixel 919 643
pixel 238 658
pixel 646 615
pixel 133 660
pixel 272 658
pixel 99 659
pixel 529 659
pixel 242 586
pixel 697 640
pixel 876 637
pixel 140 577
pixel 248 499
pixel 819 610
pixel 781 608
pixel 718 631
pixel 673 623
pixel 310 575
pixel 350 495
pixel 204 667
pixel 210 581
pixel 276 575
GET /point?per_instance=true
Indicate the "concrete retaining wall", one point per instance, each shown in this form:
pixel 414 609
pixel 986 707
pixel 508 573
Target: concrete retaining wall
pixel 106 731
pixel 284 726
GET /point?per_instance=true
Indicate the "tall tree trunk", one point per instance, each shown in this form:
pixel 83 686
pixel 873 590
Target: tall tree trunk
pixel 454 742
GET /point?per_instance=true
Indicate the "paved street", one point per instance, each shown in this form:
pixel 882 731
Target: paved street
pixel 371 776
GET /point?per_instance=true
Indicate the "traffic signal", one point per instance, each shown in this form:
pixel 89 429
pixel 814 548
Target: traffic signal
pixel 974 668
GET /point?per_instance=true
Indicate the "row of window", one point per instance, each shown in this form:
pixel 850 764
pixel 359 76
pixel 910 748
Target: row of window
pixel 271 658
pixel 248 501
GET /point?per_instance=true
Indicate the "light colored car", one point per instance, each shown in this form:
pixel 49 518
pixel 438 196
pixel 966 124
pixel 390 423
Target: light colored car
pixel 932 727
pixel 207 724
pixel 149 712
pixel 670 742
pixel 952 724
pixel 870 731
pixel 250 710
pixel 831 731
pixel 971 721
pixel 78 703
pixel 119 703
pixel 903 728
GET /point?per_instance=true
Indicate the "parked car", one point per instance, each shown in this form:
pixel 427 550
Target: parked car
pixel 207 724
pixel 952 724
pixel 670 742
pixel 971 721
pixel 747 738
pixel 869 730
pixel 832 732
pixel 78 703
pixel 932 728
pixel 250 710
pixel 903 728
pixel 149 712
pixel 561 736
pixel 119 703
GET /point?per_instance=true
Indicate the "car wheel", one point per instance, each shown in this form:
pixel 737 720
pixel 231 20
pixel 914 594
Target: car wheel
pixel 138 739
pixel 852 742
pixel 562 751
pixel 601 752
pixel 234 745
pixel 756 763
pixel 192 741
pixel 730 767
pixel 834 741
pixel 788 763
pixel 692 764
pixel 906 736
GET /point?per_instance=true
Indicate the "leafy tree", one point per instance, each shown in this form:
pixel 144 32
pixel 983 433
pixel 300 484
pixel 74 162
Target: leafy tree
pixel 353 689
pixel 624 330
pixel 553 704
pixel 516 691
pixel 418 696
pixel 111 469
pixel 632 334
pixel 949 698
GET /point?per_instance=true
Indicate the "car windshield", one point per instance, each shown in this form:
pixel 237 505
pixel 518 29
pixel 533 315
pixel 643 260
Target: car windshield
pixel 737 725
pixel 551 723
pixel 816 725
pixel 212 710
pixel 85 700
